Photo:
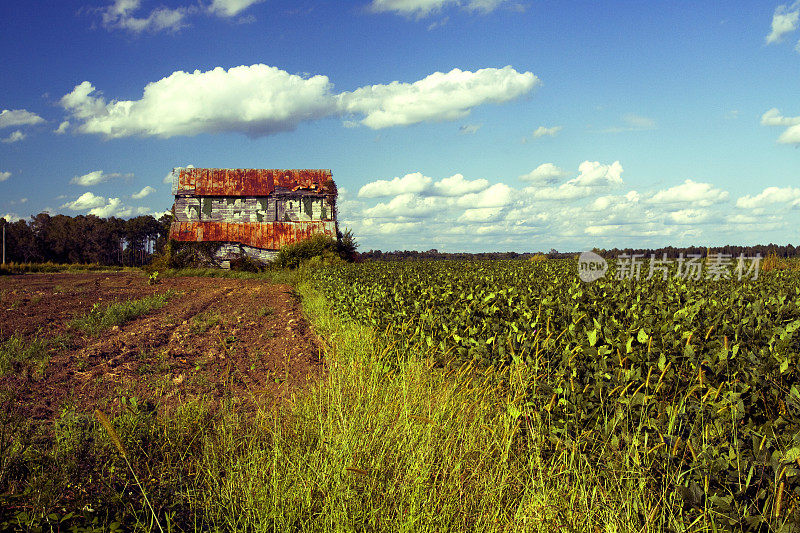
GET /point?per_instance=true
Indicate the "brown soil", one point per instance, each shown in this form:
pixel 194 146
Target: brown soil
pixel 219 339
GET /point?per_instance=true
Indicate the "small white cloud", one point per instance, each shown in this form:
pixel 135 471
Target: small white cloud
pixel 230 8
pixel 86 201
pixel 633 122
pixel 121 15
pixel 405 205
pixel 546 173
pixel 12 217
pixel 423 8
pixel 791 135
pixel 4 175
pixel 15 136
pixel 410 183
pixel 594 173
pixel 784 20
pixel 97 176
pixel 769 196
pixel 62 128
pixel 18 117
pixel 692 193
pixel 144 192
pixel 113 208
pixel 541 131
pixel 469 129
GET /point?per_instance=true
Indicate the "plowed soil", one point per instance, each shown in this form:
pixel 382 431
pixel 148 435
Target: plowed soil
pixel 220 339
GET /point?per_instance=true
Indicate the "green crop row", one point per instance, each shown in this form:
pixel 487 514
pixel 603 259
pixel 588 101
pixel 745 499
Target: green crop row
pixel 698 377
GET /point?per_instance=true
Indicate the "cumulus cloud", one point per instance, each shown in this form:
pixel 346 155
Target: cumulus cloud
pixel 410 183
pixel 404 205
pixel 785 20
pixel 437 97
pixel 12 217
pixel 62 128
pixel 18 117
pixel 230 8
pixel 84 202
pixel 791 135
pixel 261 100
pixel 770 196
pixel 498 195
pixel 144 192
pixel 255 100
pixel 416 183
pixel 424 8
pixel 692 193
pixel 4 175
pixel 592 176
pixel 15 136
pixel 546 173
pixel 97 176
pixel 541 131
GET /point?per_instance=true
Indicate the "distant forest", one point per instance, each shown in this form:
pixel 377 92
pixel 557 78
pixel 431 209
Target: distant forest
pixel 672 252
pixel 85 239
pixel 114 241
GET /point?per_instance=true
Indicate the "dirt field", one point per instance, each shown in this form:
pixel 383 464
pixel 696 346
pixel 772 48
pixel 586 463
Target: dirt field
pixel 217 338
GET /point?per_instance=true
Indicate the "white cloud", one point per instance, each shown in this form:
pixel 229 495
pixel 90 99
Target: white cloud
pixel 541 131
pixel 11 217
pixel 546 173
pixel 791 135
pixel 424 8
pixel 633 122
pixel 769 196
pixel 592 176
pixel 456 185
pixel 784 20
pixel 120 15
pixel 469 129
pixel 692 193
pixel 410 183
pixel 255 100
pixel 498 195
pixel 15 136
pixel 230 8
pixel 144 192
pixel 481 214
pixel 18 117
pixel 62 128
pixel 115 208
pixel 261 100
pixel 86 201
pixel 97 176
pixel 437 97
pixel 4 175
pixel 404 205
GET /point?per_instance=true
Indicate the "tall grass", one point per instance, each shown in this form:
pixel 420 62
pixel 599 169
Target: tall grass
pixel 24 268
pixel 118 313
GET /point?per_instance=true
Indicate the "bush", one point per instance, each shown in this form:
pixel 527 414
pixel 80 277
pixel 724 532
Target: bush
pixel 245 263
pixel 292 255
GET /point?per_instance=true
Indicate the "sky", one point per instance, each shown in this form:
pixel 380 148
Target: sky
pixel 460 125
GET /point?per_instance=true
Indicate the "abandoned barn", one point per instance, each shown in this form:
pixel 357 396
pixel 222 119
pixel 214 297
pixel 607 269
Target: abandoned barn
pixel 251 212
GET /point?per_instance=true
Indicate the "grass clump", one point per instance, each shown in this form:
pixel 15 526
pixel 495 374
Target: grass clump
pixel 25 268
pixel 116 314
pixel 18 351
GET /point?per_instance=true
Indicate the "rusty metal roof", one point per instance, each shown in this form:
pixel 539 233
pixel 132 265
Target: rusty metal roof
pixel 248 182
pixel 267 236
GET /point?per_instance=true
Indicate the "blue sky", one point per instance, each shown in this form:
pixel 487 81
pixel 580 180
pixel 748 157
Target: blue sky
pixel 453 124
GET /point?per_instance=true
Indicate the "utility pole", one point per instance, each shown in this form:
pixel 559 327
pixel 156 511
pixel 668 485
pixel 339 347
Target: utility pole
pixel 4 242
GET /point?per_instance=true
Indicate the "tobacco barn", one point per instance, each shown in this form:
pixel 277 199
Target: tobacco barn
pixel 251 212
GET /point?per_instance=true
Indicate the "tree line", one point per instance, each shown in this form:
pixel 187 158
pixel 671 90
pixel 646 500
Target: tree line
pixel 85 239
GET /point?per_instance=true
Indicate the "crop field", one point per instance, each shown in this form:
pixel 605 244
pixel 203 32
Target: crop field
pixel 691 385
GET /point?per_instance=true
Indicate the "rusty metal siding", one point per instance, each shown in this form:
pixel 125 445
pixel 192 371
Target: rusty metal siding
pixel 268 236
pixel 245 182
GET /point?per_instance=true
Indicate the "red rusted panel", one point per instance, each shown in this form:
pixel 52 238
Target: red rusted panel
pixel 248 182
pixel 269 236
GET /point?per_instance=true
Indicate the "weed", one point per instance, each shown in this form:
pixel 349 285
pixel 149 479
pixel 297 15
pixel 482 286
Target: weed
pixel 116 314
pixel 30 352
pixel 265 311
